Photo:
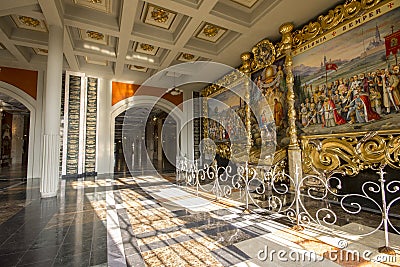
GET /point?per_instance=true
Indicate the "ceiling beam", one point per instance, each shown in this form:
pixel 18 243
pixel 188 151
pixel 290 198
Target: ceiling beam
pixel 52 12
pixel 205 8
pixel 127 18
pixel 8 44
pixel 69 52
pixel 25 10
pixel 6 5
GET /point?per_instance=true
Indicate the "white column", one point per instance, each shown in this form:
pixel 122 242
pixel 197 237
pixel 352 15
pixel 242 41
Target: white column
pixel 52 105
pixel 105 124
pixel 187 125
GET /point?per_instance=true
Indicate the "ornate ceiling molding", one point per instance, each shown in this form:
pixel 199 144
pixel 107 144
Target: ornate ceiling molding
pixel 25 22
pixel 93 36
pixel 210 32
pixel 138 68
pixel 186 57
pixel 246 3
pixel 159 16
pixel 99 5
pixel 96 61
pixel 40 51
pixel 146 49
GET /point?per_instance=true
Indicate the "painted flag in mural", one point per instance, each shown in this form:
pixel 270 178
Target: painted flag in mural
pixel 392 43
pixel 331 66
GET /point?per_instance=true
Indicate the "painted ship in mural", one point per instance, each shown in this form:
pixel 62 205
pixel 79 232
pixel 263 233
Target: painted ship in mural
pixel 351 87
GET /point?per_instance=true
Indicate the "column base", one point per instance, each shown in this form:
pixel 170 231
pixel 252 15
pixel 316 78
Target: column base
pixel 50 168
pixel 48 194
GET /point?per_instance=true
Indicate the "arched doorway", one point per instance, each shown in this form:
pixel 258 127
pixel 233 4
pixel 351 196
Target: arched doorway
pixel 14 140
pixel 142 148
pixel 149 151
pixel 34 146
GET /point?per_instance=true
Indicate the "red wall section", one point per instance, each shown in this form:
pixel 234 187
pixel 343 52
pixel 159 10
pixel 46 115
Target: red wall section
pixel 121 91
pixel 26 80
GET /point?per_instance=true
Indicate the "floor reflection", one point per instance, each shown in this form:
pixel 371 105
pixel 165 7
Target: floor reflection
pixel 149 221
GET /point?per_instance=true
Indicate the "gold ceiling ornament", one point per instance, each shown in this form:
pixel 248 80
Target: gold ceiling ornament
pixel 139 67
pixel 210 30
pixel 28 21
pixel 264 54
pixel 147 47
pixel 95 35
pixel 160 15
pixel 350 153
pixel 324 23
pixel 95 1
pixel 187 56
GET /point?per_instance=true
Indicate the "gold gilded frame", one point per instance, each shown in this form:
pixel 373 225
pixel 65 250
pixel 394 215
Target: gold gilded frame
pixel 333 20
pixel 319 153
pixel 263 54
pixel 346 153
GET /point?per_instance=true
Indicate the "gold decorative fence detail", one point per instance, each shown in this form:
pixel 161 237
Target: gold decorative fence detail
pixel 350 153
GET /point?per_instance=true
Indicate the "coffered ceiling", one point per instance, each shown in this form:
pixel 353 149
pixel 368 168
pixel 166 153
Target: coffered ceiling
pixel 133 39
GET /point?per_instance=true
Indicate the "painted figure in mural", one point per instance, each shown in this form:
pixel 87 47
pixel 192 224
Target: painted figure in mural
pixel 278 113
pixel 280 78
pixel 371 115
pixel 304 114
pixel 376 100
pixel 356 109
pixel 390 92
pixel 394 87
pixel 328 117
pixel 312 114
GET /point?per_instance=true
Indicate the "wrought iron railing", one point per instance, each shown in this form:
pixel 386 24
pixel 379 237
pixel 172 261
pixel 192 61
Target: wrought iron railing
pixel 309 201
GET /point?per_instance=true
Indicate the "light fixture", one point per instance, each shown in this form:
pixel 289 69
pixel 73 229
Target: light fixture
pixel 175 90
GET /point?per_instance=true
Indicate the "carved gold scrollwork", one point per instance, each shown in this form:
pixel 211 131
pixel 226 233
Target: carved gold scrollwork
pixel 311 30
pixel 333 18
pixel 367 4
pixel 351 154
pixel 351 9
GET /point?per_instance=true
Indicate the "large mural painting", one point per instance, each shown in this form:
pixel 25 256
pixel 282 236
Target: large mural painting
pixel 351 81
pixel 226 113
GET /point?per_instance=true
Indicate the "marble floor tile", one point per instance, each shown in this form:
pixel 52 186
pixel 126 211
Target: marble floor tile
pixel 148 221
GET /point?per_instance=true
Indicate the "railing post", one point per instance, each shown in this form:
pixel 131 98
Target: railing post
pixel 197 177
pixel 297 227
pixel 385 249
pixel 247 187
pixel 216 182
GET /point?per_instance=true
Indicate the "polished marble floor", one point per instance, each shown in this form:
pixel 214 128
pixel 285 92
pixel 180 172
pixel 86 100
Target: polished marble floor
pixel 149 221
